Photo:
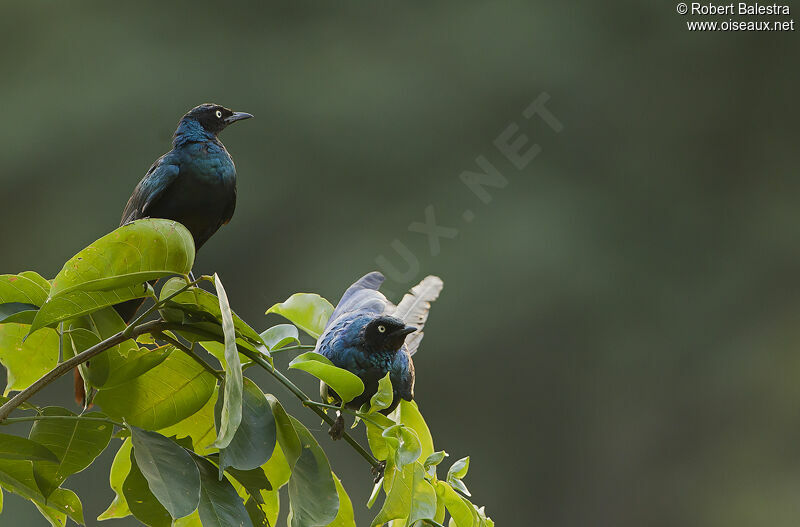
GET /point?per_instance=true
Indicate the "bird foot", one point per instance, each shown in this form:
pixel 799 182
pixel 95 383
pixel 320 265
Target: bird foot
pixel 378 471
pixel 337 428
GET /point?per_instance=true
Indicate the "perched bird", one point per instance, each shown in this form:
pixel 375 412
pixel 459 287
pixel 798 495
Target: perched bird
pixel 370 337
pixel 193 184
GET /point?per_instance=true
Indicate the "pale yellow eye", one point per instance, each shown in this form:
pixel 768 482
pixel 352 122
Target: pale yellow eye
pixel 219 114
pixel 382 329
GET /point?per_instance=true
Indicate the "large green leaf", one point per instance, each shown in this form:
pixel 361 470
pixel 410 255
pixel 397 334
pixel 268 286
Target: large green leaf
pixel 165 395
pixel 408 414
pixel 308 311
pixel 23 289
pixel 377 443
pixel 313 498
pixel 456 473
pixel 75 442
pixel 220 505
pixel 141 501
pixel 346 384
pixel 254 440
pixel 231 414
pixel 344 518
pixel 456 506
pixel 15 447
pixel 199 427
pixel 280 336
pixel 200 303
pixel 138 362
pixel 398 500
pixel 29 360
pixel 62 504
pixel 132 254
pixel 170 472
pixel 17 312
pixel 116 478
pixel 79 303
pixel 17 477
pixel 288 439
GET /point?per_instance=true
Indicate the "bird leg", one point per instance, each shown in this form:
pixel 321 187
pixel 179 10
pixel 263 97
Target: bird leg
pixel 337 428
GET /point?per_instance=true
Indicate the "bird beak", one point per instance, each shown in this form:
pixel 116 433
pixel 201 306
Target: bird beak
pixel 402 332
pixel 237 116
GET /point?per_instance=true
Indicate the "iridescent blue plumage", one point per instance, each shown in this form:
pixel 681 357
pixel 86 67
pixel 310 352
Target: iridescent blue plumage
pixel 370 337
pixel 193 184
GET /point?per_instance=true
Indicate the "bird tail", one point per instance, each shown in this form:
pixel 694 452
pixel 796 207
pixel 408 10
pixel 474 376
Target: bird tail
pixel 414 307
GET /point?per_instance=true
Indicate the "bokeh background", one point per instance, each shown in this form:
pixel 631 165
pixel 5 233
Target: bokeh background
pixel 616 343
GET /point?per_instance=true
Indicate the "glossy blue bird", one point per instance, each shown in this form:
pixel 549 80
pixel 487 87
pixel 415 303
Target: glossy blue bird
pixel 193 184
pixel 370 337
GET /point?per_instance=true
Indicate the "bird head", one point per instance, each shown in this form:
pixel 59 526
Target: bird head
pixel 385 333
pixel 213 117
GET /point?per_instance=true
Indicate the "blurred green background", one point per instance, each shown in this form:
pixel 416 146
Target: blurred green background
pixel 616 341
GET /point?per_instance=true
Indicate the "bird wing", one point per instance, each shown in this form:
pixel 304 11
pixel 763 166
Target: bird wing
pixel 161 175
pixel 413 308
pixel 363 296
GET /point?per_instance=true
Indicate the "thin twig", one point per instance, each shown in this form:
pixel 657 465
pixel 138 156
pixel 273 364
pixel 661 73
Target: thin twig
pixel 12 420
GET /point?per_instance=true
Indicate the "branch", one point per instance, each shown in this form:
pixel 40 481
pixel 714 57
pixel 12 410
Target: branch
pixel 67 365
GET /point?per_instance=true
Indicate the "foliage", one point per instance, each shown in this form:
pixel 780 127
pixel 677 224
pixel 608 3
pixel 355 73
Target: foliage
pixel 200 445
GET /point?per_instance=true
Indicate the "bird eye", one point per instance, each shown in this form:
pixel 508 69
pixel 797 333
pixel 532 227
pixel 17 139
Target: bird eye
pixel 382 329
pixel 219 114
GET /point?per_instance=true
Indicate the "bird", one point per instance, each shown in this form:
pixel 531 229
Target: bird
pixel 369 336
pixel 193 184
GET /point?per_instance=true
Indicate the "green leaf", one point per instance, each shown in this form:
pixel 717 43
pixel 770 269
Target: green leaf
pixel 26 362
pixel 116 478
pixel 17 476
pixel 409 415
pixel 75 442
pixel 17 312
pixel 434 459
pixel 460 512
pixel 115 361
pixel 165 395
pixel 383 397
pixel 23 288
pixel 288 439
pixel 131 255
pixel 377 443
pixel 344 518
pixel 62 503
pixel 398 500
pixel 346 384
pixel 403 440
pixel 459 468
pixel 312 492
pixel 254 440
pixel 169 470
pixel 15 447
pixel 199 427
pixel 231 414
pixel 280 336
pixel 79 303
pixel 204 305
pixel 308 311
pixel 423 498
pixel 220 505
pixel 141 501
pixel 138 362
pixel 277 469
